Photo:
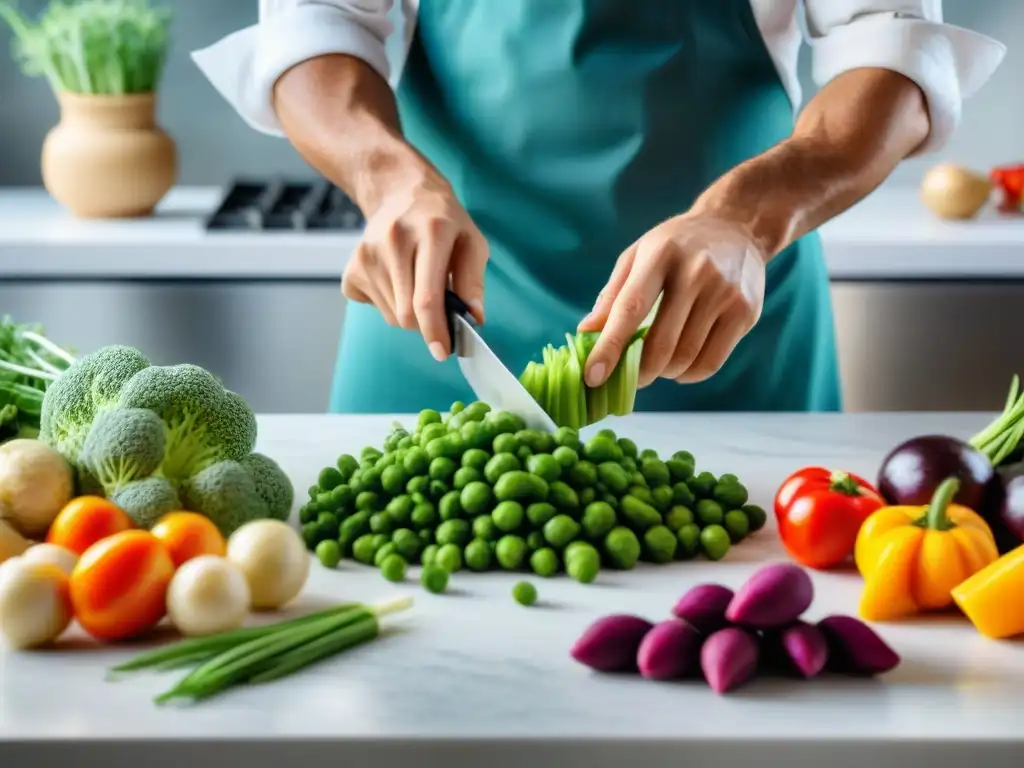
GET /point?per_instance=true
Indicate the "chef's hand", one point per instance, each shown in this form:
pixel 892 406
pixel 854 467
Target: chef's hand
pixel 414 240
pixel 712 275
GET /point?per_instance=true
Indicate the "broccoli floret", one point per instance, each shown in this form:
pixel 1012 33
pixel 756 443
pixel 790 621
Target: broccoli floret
pixel 272 484
pixel 89 385
pixel 226 493
pixel 124 444
pixel 147 500
pixel 204 422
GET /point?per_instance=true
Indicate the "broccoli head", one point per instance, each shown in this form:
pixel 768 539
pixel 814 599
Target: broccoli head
pixel 226 493
pixel 147 500
pixel 124 444
pixel 272 484
pixel 90 385
pixel 205 423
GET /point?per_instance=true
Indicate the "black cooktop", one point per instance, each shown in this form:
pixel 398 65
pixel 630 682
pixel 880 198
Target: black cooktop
pixel 279 205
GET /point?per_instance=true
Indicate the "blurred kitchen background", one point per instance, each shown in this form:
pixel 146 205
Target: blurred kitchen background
pixel 927 313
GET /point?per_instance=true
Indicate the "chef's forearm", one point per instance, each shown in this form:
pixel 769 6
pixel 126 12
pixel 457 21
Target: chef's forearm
pixel 847 140
pixel 342 118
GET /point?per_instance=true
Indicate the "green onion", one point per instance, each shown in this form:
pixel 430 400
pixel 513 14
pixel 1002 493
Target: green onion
pixel 29 362
pixel 102 47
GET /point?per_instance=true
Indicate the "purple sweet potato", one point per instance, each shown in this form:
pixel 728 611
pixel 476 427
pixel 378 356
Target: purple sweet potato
pixel 776 595
pixel 802 648
pixel 729 658
pixel 669 651
pixel 610 644
pixel 855 648
pixel 703 606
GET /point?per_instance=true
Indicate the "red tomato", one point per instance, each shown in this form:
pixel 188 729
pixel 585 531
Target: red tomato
pixel 819 513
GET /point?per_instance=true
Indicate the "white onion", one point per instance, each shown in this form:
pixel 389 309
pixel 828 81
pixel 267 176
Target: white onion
pixel 208 594
pixel 273 558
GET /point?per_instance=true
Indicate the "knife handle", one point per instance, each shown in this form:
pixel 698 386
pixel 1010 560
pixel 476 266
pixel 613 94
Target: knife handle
pixel 453 305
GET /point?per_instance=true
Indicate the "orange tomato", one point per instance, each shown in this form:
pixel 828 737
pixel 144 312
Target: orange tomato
pixel 85 520
pixel 119 587
pixel 189 534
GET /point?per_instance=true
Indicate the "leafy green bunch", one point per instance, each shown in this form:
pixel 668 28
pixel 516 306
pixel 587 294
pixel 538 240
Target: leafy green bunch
pixel 155 439
pixel 101 47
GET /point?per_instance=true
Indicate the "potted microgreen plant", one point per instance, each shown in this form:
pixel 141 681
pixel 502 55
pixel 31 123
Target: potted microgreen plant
pixel 106 157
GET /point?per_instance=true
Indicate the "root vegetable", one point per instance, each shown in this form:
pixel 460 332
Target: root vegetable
pixel 799 648
pixel 273 558
pixel 12 543
pixel 774 596
pixel 35 608
pixel 951 191
pixel 855 648
pixel 208 594
pixel 729 658
pixel 669 651
pixel 611 644
pixel 52 554
pixel 704 606
pixel 35 484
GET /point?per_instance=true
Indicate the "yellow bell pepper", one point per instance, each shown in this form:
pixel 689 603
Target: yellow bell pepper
pixel 993 598
pixel 911 557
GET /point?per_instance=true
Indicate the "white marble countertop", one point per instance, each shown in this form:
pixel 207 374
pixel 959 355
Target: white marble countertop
pixel 472 676
pixel 889 236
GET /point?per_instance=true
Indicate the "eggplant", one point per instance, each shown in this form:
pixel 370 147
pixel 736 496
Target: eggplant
pixel 914 469
pixel 1010 530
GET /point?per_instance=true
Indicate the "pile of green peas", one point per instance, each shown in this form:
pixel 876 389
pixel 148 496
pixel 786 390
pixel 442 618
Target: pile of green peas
pixel 475 489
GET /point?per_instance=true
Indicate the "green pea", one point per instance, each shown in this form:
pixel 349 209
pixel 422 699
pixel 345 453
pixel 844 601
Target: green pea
pixel 728 477
pixel 565 456
pixel 476 435
pixel 689 541
pixel 427 416
pixel 457 407
pixel 505 443
pixel 505 423
pixel 393 568
pixel 475 458
pixel 660 544
pixel 661 498
pixel 714 540
pixel 582 474
pixel 599 448
pixel 356 525
pixel 499 464
pixel 709 512
pixel 368 501
pixel 419 484
pixel 655 472
pixel 432 432
pixel 476 498
pixel 524 593
pixel 524 453
pixel 407 543
pixel 328 552
pixel 466 475
pixel 508 515
pixel 381 523
pixel 404 443
pixel 583 563
pixel 434 579
pixel 628 447
pixel 545 466
pixel 731 495
pixel 510 552
pixel 535 540
pixel 429 555
pixel 681 494
pixel 680 470
pixel 641 492
pixel 484 528
pixel 437 490
pixel 449 557
pixel 310 535
pixel 328 525
pixel 544 562
pixel 598 519
pixel 323 501
pixel 449 507
pixel 539 513
pixel 629 464
pixel 587 495
pixel 369 453
pixel 400 508
pixel 442 468
pixel 424 516
pixel 307 514
pixel 567 437
pixel 560 530
pixel 453 532
pixel 622 548
pixel 536 440
pixel 478 555
pixel 702 485
pixel 613 476
pixel 384 462
pixel 608 499
pixel 737 524
pixel 521 486
pixel 382 553
pixel 563 497
pixel 363 549
pixel 636 478
pixel 607 434
pixel 329 479
pixel 379 540
pixel 343 498
pixel 347 465
pixel 684 456
pixel 639 514
pixel 758 517
pixel 648 453
pixel 678 516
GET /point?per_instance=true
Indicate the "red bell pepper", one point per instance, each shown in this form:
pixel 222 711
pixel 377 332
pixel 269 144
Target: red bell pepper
pixel 1010 181
pixel 819 513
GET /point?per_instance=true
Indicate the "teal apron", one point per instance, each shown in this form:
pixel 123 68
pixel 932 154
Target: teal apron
pixel 568 128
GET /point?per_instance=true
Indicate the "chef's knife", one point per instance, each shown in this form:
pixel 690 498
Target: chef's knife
pixel 490 380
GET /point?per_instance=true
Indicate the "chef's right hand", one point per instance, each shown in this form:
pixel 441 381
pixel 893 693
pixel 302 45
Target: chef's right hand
pixel 414 240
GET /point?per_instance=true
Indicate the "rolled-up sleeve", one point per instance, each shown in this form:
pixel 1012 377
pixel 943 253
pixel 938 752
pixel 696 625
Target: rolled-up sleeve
pixel 947 62
pixel 245 65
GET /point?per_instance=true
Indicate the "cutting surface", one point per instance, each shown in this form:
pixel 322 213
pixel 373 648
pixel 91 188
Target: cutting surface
pixel 473 666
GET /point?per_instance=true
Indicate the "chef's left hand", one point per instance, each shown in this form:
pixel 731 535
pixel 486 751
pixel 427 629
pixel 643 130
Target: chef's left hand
pixel 712 275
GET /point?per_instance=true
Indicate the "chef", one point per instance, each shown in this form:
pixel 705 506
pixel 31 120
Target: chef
pixel 565 163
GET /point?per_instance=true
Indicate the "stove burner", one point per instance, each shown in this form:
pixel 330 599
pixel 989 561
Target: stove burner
pixel 285 205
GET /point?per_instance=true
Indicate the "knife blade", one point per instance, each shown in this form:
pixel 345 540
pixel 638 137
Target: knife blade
pixel 489 378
